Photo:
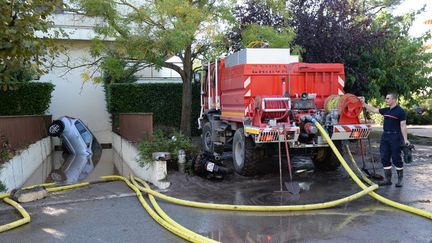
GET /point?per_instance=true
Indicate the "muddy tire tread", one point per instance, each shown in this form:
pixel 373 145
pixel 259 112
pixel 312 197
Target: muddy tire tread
pixel 330 162
pixel 251 156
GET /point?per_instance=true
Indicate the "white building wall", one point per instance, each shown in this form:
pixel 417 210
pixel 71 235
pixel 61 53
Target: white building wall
pixel 86 101
pixel 74 98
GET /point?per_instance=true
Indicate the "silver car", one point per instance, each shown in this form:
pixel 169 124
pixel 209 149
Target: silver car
pixel 75 136
pixel 74 169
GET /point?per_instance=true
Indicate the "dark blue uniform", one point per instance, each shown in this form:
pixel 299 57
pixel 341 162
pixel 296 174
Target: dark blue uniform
pixel 392 139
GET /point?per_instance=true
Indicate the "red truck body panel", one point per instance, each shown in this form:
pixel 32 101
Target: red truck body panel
pixel 239 84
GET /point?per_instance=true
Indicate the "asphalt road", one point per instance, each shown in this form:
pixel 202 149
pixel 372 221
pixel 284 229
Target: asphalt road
pixel 110 212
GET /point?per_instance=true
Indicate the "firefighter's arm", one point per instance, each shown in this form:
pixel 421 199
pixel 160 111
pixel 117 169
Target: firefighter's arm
pixel 371 108
pixel 368 107
pixel 404 131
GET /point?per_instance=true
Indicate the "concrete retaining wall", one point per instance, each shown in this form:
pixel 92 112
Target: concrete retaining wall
pixel 154 172
pixel 17 170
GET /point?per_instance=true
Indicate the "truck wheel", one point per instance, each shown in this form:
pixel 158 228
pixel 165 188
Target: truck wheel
pixel 326 160
pixel 206 138
pixel 245 157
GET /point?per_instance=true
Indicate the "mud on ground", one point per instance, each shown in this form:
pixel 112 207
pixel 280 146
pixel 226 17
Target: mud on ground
pixel 362 220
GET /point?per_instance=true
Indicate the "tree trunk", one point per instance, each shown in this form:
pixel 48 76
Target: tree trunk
pixel 185 125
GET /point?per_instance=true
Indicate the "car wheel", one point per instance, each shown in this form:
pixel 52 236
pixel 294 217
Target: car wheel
pixel 56 128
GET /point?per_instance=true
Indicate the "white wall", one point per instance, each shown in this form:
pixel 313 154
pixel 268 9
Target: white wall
pixel 74 98
pixel 17 170
pixel 86 101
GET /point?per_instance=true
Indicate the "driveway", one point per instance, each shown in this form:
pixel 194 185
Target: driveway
pixel 110 212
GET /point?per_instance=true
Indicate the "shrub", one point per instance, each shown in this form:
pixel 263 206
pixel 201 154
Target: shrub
pixel 162 99
pixel 420 114
pixel 419 118
pixel 6 152
pixel 25 98
pixel 2 187
pixel 416 114
pixel 166 141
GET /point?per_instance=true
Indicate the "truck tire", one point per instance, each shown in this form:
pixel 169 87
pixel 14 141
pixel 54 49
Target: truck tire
pixel 326 160
pixel 206 138
pixel 245 157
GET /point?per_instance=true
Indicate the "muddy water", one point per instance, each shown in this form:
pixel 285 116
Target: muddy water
pixel 69 169
pixel 361 220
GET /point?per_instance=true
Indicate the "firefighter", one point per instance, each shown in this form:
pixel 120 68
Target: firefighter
pixel 393 137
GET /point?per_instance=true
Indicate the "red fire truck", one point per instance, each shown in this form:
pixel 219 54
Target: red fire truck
pixel 257 97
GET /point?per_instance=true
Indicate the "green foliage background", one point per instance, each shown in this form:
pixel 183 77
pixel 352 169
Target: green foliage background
pixel 163 100
pixel 2 187
pixel 162 142
pixel 25 98
pixel 22 52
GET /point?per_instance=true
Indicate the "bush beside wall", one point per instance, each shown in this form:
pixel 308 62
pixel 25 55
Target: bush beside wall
pixel 26 98
pixel 164 100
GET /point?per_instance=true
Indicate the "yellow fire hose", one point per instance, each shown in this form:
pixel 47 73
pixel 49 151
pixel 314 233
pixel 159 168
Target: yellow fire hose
pixel 163 219
pixel 257 208
pixel 26 217
pixel 169 225
pixel 182 232
pixel 5 195
pixel 362 185
pixel 67 187
pixel 21 210
pixel 43 185
pixel 364 178
pixel 166 217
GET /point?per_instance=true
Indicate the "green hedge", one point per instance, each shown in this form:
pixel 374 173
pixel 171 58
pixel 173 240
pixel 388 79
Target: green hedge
pixel 29 98
pixel 163 100
pixel 416 118
pixel 2 187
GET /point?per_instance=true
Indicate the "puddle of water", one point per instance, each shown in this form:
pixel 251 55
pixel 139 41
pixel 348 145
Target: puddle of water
pixel 69 169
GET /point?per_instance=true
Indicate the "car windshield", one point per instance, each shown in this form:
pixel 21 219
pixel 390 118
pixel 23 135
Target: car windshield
pixel 85 134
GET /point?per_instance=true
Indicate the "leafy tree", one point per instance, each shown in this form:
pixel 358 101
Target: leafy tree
pixel 151 32
pixel 336 32
pixel 263 21
pixel 400 63
pixel 21 52
pixel 378 54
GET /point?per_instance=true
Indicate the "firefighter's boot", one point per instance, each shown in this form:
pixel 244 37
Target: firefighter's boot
pixel 387 180
pixel 400 178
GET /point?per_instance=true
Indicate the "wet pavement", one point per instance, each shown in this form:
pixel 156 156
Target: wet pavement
pixel 110 212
